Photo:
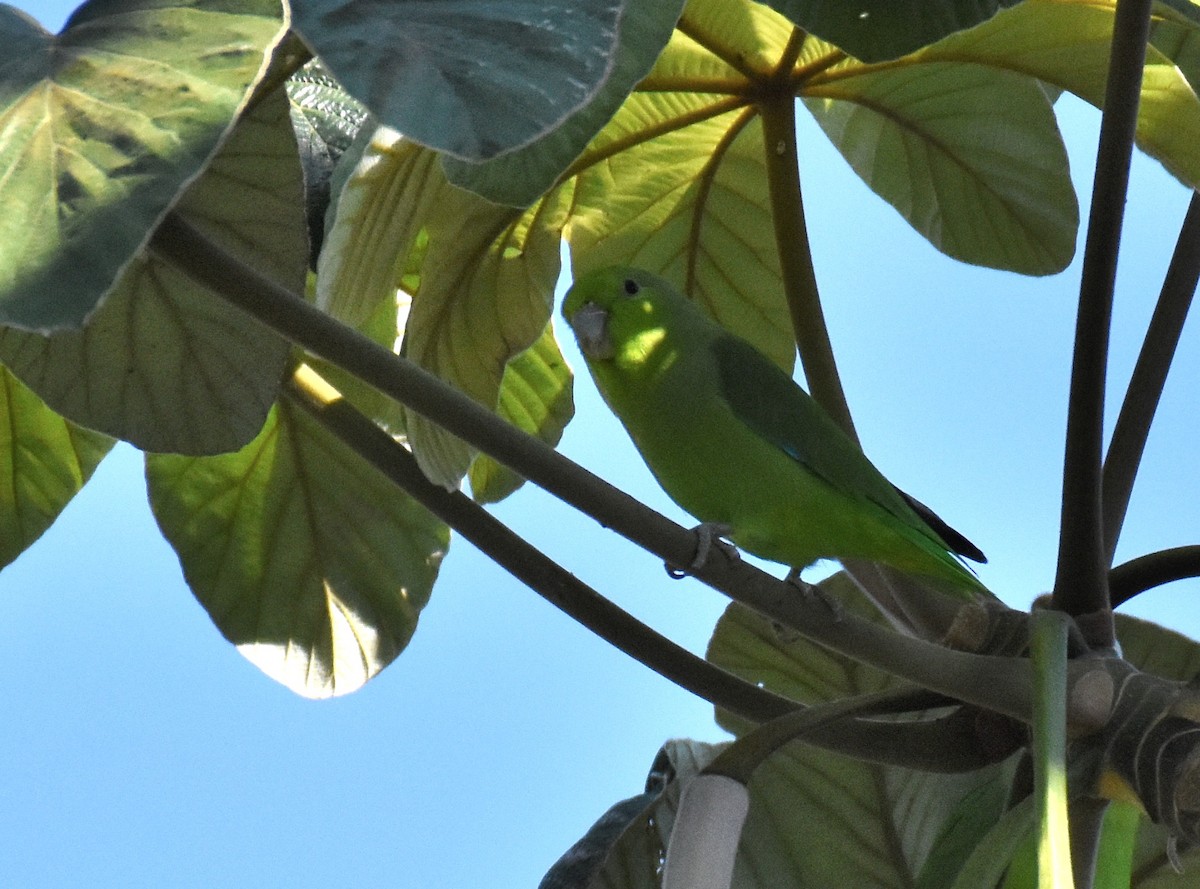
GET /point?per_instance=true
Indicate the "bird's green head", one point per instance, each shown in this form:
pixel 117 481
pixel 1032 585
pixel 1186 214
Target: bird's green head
pixel 618 312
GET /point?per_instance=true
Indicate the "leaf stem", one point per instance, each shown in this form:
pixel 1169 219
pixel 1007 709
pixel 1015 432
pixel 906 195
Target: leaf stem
pixel 1151 570
pixel 994 683
pixel 1081 581
pixel 1150 375
pixel 753 748
pixel 719 48
pixel 795 258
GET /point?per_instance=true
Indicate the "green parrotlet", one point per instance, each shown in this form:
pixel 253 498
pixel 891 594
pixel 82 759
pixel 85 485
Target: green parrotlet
pixel 739 445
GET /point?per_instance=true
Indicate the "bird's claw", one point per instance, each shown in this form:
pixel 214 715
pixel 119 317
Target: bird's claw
pixel 812 591
pixel 708 535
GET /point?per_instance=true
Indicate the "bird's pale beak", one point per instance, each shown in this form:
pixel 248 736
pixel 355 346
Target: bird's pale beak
pixel 590 324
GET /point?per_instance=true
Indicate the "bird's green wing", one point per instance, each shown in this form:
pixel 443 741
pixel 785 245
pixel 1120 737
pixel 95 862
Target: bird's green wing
pixel 768 402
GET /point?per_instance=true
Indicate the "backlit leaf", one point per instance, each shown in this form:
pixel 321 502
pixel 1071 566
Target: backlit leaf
pixel 536 397
pixel 44 461
pixel 305 557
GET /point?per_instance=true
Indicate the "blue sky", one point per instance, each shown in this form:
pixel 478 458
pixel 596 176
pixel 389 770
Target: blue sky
pixel 139 749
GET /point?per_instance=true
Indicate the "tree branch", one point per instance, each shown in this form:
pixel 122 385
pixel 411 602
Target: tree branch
pixel 1149 376
pixel 1081 582
pixel 1151 570
pixel 945 744
pixel 994 683
pixel 525 562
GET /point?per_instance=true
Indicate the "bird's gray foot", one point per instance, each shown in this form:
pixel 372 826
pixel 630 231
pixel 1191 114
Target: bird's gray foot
pixel 708 535
pixel 812 591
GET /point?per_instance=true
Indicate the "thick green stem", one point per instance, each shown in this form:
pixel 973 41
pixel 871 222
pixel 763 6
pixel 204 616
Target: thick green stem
pixel 795 258
pixel 1150 375
pixel 1081 582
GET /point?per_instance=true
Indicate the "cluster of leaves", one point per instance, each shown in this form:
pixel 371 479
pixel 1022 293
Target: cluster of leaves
pixel 634 132
pixel 137 109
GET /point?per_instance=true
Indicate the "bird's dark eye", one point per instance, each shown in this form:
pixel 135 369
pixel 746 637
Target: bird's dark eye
pixel 631 287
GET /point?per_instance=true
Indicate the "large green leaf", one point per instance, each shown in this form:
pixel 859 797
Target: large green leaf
pixel 521 176
pixel 536 397
pixel 303 554
pixel 44 461
pixel 970 156
pixel 677 181
pixel 1066 44
pixel 380 210
pixel 874 30
pixel 163 363
pixel 103 126
pixel 1157 650
pixel 473 78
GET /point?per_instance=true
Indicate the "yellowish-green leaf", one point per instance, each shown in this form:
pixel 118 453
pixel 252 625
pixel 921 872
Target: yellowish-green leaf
pixel 485 294
pixel 103 126
pixel 381 328
pixel 971 156
pixel 482 277
pixel 380 211
pixel 536 397
pixel 305 557
pixel 1066 44
pixel 730 43
pixel 44 461
pixel 677 182
pixel 163 363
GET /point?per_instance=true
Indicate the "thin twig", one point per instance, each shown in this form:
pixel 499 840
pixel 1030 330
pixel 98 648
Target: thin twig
pixel 1081 581
pixel 755 747
pixel 1150 375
